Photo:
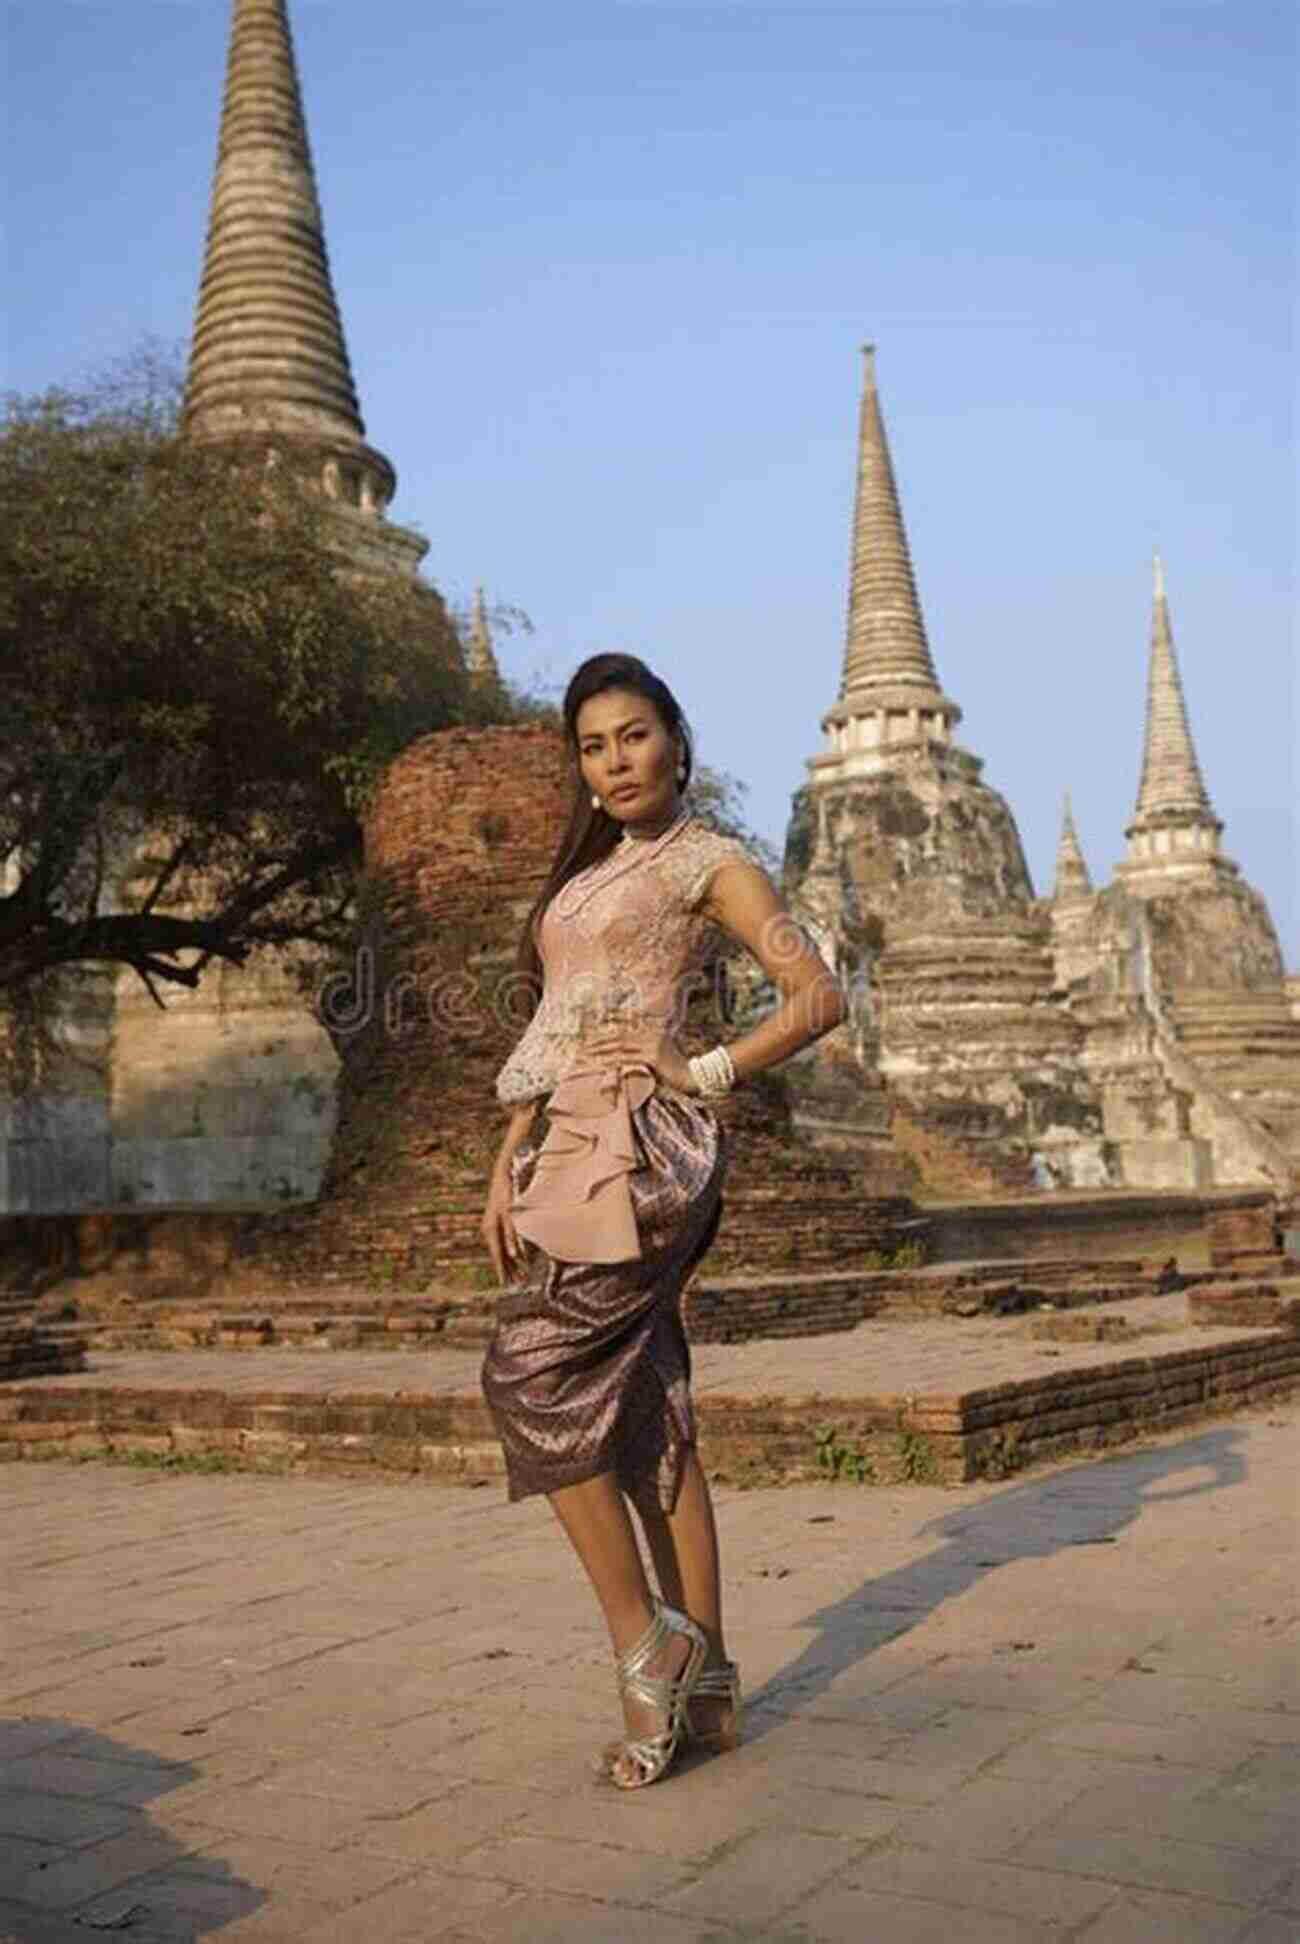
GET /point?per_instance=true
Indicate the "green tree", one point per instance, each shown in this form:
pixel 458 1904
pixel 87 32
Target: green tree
pixel 192 684
pixel 719 798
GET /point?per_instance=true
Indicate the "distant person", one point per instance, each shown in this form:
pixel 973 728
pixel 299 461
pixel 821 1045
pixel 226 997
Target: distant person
pixel 595 1222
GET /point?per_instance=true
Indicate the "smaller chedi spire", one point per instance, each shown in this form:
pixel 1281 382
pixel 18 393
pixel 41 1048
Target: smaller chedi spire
pixel 480 656
pixel 1073 879
pixel 1174 818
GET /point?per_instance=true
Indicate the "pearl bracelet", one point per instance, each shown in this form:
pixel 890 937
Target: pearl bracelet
pixel 714 1073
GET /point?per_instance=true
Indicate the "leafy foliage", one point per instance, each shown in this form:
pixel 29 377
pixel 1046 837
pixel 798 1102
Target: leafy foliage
pixel 199 693
pixel 719 798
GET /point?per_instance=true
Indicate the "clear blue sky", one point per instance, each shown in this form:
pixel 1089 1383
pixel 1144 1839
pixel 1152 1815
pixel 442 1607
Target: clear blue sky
pixel 605 266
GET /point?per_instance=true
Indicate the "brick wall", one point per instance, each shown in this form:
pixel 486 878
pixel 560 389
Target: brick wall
pixel 458 840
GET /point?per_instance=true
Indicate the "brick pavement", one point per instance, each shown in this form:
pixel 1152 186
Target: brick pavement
pixel 1064 1709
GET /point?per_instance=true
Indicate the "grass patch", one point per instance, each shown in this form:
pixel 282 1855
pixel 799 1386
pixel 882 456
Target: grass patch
pixel 841 1463
pixel 916 1459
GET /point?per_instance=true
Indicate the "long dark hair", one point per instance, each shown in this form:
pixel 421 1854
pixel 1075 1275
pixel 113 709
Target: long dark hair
pixel 591 833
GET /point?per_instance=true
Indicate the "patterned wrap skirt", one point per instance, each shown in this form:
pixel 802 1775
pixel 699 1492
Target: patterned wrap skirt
pixel 589 1368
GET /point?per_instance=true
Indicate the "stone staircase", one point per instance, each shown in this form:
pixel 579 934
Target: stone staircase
pixel 719 1308
pixel 1248 1045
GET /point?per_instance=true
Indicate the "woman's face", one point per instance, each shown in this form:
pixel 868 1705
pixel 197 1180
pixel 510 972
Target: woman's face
pixel 627 757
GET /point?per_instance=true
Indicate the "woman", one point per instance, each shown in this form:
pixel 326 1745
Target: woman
pixel 599 1223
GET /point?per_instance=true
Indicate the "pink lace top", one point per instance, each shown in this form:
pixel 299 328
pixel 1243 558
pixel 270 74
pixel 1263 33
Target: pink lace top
pixel 619 940
pixel 622 938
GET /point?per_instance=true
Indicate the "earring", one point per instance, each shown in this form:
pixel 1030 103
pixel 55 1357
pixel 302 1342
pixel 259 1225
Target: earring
pixel 595 803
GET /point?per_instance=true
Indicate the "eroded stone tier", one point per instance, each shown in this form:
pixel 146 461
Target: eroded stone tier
pixel 915 885
pixel 973 1035
pixel 912 844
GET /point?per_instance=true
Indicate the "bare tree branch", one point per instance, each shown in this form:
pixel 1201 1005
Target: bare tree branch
pixel 182 850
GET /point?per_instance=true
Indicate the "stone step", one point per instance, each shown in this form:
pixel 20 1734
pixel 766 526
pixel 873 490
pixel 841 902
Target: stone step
pixel 719 1309
pixel 303 1327
pixel 21 1341
pixel 739 1309
pixel 40 1356
pixel 889 1440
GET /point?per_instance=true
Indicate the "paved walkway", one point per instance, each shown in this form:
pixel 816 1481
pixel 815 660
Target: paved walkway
pixel 1064 1709
pixel 891 1356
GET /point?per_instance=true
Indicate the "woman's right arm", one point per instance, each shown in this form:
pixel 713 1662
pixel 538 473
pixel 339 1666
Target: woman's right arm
pixel 498 1230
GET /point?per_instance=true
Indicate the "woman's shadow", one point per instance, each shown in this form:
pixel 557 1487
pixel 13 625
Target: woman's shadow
pixel 1088 1505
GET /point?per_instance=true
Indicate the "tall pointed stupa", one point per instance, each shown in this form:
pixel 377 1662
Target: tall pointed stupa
pixel 923 833
pixel 1174 828
pixel 269 360
pixel 889 692
pixel 908 869
pixel 887 659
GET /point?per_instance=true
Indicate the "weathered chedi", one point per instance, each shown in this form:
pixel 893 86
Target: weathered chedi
pixel 228 1095
pixel 1211 930
pixel 1175 970
pixel 907 866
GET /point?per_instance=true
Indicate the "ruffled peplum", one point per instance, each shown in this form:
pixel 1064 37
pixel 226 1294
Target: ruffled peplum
pixel 578 1205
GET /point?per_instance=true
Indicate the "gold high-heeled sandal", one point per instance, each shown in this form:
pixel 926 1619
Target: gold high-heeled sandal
pixel 652 1755
pixel 718 1684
